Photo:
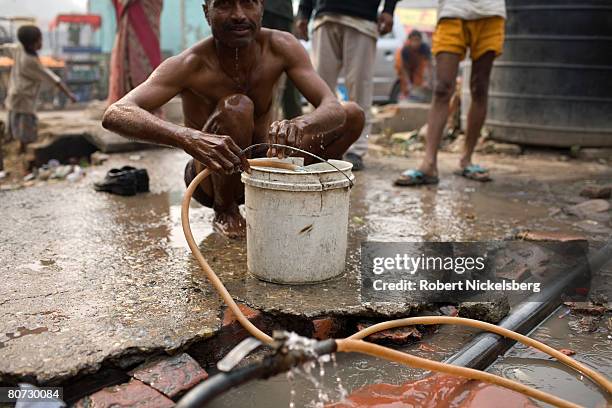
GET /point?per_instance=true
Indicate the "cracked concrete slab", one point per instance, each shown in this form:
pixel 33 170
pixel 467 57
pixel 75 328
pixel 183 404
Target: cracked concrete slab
pixel 90 278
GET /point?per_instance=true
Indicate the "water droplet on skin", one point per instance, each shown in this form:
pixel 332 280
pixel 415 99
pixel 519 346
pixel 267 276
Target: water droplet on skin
pixel 236 67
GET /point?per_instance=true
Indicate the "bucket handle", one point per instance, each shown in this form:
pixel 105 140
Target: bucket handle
pixel 314 156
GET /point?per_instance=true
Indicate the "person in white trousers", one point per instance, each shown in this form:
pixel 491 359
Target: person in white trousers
pixel 344 36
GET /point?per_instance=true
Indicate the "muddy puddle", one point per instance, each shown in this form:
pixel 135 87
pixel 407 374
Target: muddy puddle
pixel 351 372
pixel 525 365
pixel 591 340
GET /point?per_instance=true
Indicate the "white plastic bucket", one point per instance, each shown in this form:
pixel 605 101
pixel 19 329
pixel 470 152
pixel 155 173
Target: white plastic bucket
pixel 297 222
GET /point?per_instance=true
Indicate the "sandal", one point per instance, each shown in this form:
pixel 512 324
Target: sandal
pixel 474 172
pixel 414 177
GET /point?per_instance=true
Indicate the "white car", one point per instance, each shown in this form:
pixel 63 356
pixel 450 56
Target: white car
pixel 386 84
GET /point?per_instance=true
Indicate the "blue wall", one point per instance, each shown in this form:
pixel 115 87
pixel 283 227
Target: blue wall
pixel 173 37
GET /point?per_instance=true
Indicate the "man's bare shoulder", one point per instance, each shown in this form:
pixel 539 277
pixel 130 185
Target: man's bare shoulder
pixel 281 42
pixel 193 59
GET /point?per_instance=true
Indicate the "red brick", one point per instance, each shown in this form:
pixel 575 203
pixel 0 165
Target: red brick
pixel 324 328
pixel 587 308
pixel 399 335
pixel 595 191
pixel 550 236
pixel 133 394
pixel 229 317
pixel 171 376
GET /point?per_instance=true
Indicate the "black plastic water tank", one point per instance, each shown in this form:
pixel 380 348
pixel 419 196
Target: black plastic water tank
pixel 553 84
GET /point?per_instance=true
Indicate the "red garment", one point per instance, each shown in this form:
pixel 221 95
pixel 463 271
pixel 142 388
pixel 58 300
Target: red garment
pixel 136 52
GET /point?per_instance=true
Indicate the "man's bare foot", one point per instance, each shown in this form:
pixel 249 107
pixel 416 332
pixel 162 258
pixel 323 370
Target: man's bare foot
pixel 230 223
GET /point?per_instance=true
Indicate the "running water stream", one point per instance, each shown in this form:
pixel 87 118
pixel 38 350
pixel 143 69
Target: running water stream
pixel 331 378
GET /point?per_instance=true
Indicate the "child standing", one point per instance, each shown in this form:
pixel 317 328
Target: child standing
pixel 25 80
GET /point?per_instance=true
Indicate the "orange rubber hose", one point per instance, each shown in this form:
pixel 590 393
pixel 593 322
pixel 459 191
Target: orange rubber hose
pixel 354 344
pixel 210 274
pixel 460 321
pixel 347 345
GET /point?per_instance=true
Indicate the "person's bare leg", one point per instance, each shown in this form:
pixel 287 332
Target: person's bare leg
pixel 454 108
pixel 447 65
pixel 233 117
pixel 333 145
pixel 479 89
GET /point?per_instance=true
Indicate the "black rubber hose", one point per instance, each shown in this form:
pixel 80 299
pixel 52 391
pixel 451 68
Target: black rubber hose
pixel 270 366
pixel 484 349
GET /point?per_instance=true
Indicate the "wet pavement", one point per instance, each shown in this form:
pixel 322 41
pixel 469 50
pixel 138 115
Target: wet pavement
pixel 90 277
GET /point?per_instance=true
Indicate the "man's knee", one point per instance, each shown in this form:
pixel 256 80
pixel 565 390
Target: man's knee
pixel 444 90
pixel 355 119
pixel 239 104
pixel 234 116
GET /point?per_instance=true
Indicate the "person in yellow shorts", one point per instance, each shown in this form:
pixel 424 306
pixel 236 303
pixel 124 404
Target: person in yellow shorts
pixel 477 27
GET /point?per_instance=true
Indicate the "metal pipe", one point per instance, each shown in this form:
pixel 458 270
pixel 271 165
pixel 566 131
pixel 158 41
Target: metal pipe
pixel 484 349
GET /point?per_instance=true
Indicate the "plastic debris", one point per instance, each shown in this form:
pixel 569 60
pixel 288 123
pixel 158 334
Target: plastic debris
pixel 77 174
pixel 98 158
pixel 61 172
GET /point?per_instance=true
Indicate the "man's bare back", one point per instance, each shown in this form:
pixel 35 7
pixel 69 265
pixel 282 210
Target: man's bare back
pixel 227 85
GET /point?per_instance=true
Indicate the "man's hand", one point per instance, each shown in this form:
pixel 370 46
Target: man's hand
pixel 301 29
pixel 285 132
pixel 218 153
pixel 385 23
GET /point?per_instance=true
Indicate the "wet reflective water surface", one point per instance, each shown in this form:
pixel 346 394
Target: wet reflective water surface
pixel 592 344
pixel 353 370
pixel 89 277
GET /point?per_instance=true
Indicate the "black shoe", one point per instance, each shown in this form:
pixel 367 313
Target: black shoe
pixel 142 178
pixel 118 182
pixel 355 160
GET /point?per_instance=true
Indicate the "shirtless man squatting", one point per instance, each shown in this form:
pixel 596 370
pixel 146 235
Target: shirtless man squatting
pixel 227 84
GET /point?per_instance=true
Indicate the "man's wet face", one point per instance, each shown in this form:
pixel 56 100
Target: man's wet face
pixel 234 23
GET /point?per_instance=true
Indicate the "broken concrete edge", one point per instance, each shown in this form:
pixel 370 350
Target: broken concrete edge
pixel 206 349
pixel 364 310
pixel 123 360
